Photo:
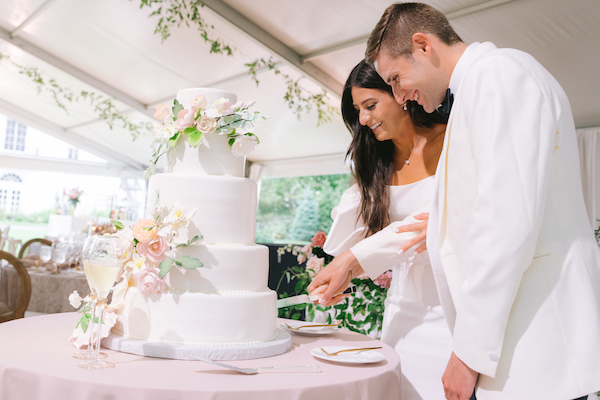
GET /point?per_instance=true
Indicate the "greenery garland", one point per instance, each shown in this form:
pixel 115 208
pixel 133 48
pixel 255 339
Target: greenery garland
pixel 295 97
pixel 174 13
pixel 103 106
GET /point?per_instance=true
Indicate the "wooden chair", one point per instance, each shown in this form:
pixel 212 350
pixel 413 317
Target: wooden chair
pixel 6 314
pixel 29 242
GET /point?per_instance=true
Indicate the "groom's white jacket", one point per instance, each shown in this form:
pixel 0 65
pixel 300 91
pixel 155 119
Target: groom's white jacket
pixel 514 256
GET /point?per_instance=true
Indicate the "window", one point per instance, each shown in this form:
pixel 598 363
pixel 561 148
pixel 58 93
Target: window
pixel 21 137
pixel 292 210
pixel 9 138
pixel 14 205
pixel 3 194
pixel 72 153
pixel 10 178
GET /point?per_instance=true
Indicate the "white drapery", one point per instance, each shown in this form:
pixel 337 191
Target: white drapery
pixel 589 153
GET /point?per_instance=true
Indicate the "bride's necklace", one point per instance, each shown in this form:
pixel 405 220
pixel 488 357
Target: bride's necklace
pixel 413 149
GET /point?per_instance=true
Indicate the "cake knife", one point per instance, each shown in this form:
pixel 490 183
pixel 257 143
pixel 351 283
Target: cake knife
pixel 304 298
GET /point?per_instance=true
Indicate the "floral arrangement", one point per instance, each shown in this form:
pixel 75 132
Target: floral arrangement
pixel 73 196
pixel 361 312
pixel 150 249
pixel 220 117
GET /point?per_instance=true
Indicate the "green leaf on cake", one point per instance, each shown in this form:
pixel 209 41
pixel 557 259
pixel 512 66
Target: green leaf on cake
pixel 165 267
pixel 194 136
pixel 231 141
pixel 176 108
pixel 192 240
pixel 117 224
pixel 173 139
pixel 188 262
pixel 84 321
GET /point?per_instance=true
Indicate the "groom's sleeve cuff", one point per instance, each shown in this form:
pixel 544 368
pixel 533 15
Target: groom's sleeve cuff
pixel 379 252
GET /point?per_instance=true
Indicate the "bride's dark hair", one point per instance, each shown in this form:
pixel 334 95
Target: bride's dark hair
pixel 373 161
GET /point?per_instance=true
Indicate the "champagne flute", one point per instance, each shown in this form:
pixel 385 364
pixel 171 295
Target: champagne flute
pixel 105 263
pixel 89 352
pixel 45 253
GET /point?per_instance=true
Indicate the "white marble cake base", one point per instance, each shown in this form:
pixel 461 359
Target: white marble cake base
pixel 281 344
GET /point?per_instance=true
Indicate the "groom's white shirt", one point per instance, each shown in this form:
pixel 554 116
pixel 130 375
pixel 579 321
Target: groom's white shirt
pixel 515 260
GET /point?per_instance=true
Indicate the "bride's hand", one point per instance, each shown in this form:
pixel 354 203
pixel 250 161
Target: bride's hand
pixel 335 278
pixel 420 227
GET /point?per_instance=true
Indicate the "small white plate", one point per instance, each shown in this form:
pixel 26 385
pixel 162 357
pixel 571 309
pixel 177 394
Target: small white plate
pixel 359 357
pixel 308 331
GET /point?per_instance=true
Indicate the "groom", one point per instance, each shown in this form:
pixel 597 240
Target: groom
pixel 516 263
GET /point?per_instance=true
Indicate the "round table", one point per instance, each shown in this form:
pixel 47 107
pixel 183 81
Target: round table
pixel 36 363
pixel 49 292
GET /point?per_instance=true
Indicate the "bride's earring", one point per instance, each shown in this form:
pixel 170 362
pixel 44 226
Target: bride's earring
pixel 405 108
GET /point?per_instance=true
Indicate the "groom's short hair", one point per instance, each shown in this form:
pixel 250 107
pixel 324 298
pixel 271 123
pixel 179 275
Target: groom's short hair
pixel 400 21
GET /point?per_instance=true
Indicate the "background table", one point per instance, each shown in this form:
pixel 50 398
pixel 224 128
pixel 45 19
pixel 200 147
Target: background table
pixel 36 363
pixel 49 292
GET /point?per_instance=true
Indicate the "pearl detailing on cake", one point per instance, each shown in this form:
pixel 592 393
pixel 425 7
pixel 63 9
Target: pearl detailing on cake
pixel 222 291
pixel 200 344
pixel 202 242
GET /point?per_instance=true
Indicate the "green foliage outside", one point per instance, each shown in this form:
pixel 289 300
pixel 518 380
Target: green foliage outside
pixel 311 197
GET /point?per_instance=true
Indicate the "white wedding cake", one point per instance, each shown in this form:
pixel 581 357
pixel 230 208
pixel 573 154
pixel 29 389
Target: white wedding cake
pixel 226 302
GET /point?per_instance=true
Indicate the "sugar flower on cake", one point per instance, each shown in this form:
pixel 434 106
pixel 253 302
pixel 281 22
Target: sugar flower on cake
pixel 145 230
pixel 148 281
pixel 244 145
pixel 154 250
pixel 235 121
pixel 153 243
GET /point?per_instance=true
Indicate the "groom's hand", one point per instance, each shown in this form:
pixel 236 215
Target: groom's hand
pixel 459 380
pixel 420 227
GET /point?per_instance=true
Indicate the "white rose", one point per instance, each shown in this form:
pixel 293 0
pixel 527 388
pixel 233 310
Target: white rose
pixel 207 124
pixel 212 113
pixel 75 299
pixel 243 145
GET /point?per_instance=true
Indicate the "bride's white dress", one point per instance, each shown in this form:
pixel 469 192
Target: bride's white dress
pixel 413 322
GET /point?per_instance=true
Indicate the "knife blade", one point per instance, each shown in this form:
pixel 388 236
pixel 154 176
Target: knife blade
pixel 304 298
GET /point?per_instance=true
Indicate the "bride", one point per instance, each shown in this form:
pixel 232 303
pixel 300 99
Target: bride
pixel 394 152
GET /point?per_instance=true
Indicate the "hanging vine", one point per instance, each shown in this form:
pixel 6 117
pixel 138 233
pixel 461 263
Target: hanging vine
pixel 103 106
pixel 173 13
pixel 296 98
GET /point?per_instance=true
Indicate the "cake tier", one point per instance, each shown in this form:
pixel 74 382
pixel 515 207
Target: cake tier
pixel 213 156
pixel 202 319
pixel 185 96
pixel 226 206
pixel 239 268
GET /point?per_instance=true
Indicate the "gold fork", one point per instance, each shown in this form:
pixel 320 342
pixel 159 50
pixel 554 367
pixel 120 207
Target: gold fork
pixel 335 353
pixel 310 326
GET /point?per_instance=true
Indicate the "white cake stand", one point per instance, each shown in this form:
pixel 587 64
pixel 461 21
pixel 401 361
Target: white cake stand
pixel 279 345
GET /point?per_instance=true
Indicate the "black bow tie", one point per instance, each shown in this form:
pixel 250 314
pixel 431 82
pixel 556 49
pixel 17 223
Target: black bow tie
pixel 446 105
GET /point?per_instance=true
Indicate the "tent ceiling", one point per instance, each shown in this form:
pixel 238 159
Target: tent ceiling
pixel 109 47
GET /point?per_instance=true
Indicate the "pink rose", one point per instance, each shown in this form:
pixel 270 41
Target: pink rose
pixel 161 112
pixel 198 103
pixel 185 119
pixel 384 280
pixel 144 230
pixel 148 281
pixel 315 264
pixel 153 250
pixel 319 239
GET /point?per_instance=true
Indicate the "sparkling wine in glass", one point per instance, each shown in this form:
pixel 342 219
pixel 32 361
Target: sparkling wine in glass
pixel 105 263
pixel 89 353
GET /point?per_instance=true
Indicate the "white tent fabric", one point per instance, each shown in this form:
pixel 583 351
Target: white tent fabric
pixel 109 47
pixel 589 153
